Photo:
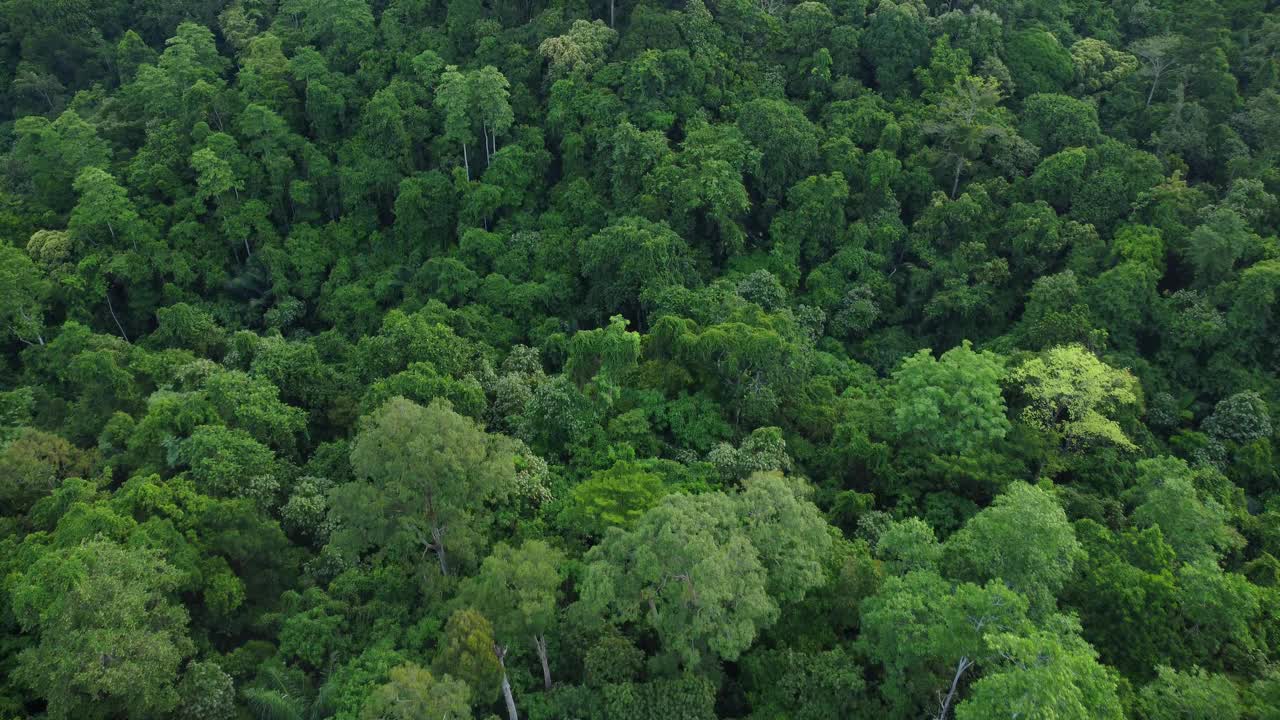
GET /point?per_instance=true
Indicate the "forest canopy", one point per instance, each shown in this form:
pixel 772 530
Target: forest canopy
pixel 639 359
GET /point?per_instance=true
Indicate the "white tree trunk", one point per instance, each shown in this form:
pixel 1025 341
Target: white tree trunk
pixel 961 667
pixel 112 310
pixel 540 642
pixel 437 545
pixel 501 652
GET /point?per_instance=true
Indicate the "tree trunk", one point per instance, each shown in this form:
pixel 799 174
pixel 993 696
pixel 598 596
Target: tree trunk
pixel 501 652
pixel 540 642
pixel 112 309
pixel 955 183
pixel 25 316
pixel 611 13
pixel 465 162
pixel 1154 82
pixel 437 536
pixel 961 668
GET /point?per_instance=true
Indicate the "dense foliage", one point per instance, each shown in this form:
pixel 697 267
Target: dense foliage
pixel 671 359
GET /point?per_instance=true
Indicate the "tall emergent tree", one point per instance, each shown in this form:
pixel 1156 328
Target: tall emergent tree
pixel 425 474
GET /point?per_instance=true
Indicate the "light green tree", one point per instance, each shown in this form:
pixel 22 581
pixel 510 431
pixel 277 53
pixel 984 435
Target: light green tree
pixel 950 405
pixel 616 497
pixel 1071 392
pixel 518 589
pixel 413 693
pixel 104 212
pixel 1043 676
pixel 931 635
pixel 707 571
pixel 1191 695
pixel 689 572
pixel 967 119
pixel 1023 540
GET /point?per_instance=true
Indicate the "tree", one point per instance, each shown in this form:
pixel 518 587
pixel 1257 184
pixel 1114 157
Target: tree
pixel 764 450
pixel 1217 245
pixel 1159 54
pixel 1071 392
pixel 42 87
pixel 490 93
pixel 1218 610
pixel 602 356
pixel 579 51
pixel 700 569
pixel 950 405
pixel 1126 597
pixel 789 532
pixel 1024 540
pixel 216 175
pixel 896 43
pixel 33 463
pixel 252 403
pixel 689 572
pixel 1197 528
pixel 430 470
pixel 805 685
pixel 52 155
pixel 815 205
pixel 1037 61
pixel 929 635
pixel 1191 695
pixel 264 73
pixel 519 589
pixel 1241 418
pixel 616 497
pixel 968 119
pixel 111 638
pixel 207 692
pixel 1056 122
pixel 343 28
pixel 908 545
pixel 230 463
pixel 787 141
pixel 1045 675
pixel 412 693
pixel 466 651
pixel 1100 66
pixel 23 292
pixel 630 260
pixel 1057 178
pixel 474 97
